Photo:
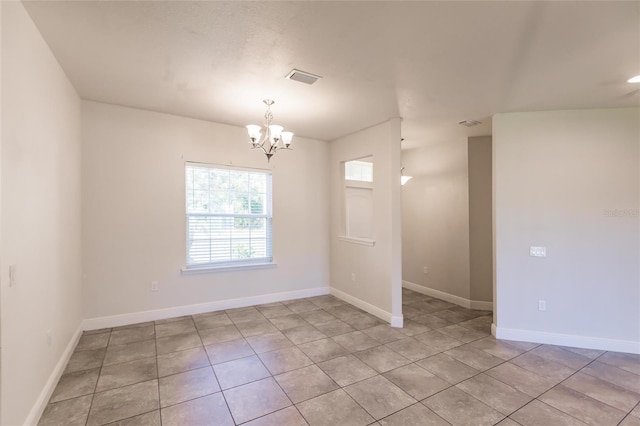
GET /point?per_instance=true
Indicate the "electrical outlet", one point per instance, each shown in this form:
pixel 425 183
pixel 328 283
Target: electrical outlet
pixel 542 305
pixel 353 276
pixel 49 339
pixel 154 285
pixel 537 251
pixel 425 270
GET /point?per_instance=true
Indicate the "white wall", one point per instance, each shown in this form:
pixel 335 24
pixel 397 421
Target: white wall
pixel 40 216
pixel 134 217
pixel 377 286
pixel 568 181
pixel 435 218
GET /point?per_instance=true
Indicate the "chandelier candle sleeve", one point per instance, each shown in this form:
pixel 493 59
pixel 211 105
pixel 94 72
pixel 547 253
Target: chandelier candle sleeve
pixel 274 139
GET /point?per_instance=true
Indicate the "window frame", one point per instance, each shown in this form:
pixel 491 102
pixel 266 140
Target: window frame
pixel 267 215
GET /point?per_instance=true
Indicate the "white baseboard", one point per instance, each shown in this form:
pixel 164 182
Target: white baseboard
pixel 394 320
pixel 460 301
pixel 41 403
pixel 177 311
pixel 572 340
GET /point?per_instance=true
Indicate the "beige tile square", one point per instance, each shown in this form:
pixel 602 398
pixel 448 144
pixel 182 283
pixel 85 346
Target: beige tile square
pixel 75 384
pixel 286 417
pixel 322 350
pixel 459 408
pixel 334 328
pixel 614 375
pixel 581 406
pixel 411 349
pixel 346 370
pixel 416 381
pixel 460 333
pixel 220 334
pixel 93 341
pixel 188 385
pixel 134 334
pixel 147 419
pixel 127 373
pixel 561 356
pixel 227 351
pixel 70 412
pixel 355 341
pixel 304 334
pixel 543 366
pixel 417 414
pixel 539 413
pixel 497 348
pixel 603 391
pixel 257 327
pixel 208 410
pixel 382 359
pixel 216 320
pixel 379 396
pixel 175 327
pixel 333 409
pixel 121 403
pixel 255 399
pixel 178 362
pixel 494 393
pixel 288 321
pixel 284 360
pixel 383 333
pixel 85 360
pixel 178 342
pixel 130 352
pixel 448 368
pixel 240 371
pixel 624 361
pixel 269 342
pixel 305 383
pixel 523 380
pixel 475 358
pixel 438 341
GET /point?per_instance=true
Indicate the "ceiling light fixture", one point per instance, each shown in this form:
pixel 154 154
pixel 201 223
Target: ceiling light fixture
pixel 404 179
pixel 469 123
pixel 274 139
pixel 635 79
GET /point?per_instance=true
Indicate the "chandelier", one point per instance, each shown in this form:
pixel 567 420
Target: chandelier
pixel 274 138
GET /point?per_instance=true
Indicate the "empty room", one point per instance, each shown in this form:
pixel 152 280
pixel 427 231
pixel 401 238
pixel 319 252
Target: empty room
pixel 319 213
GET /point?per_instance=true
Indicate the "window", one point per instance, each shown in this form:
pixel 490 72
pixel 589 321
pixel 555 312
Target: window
pixel 358 201
pixel 228 216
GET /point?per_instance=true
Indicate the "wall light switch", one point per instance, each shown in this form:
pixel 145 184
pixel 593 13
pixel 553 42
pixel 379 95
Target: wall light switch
pixel 542 305
pixel 537 251
pixel 154 285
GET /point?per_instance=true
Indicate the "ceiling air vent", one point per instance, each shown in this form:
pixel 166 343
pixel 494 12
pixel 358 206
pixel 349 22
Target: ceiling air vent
pixel 302 76
pixel 469 123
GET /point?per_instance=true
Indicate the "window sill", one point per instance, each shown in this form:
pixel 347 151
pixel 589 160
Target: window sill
pixel 226 268
pixel 355 240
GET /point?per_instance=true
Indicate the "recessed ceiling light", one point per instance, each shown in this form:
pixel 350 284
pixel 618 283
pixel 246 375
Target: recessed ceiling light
pixel 302 76
pixel 469 123
pixel 635 79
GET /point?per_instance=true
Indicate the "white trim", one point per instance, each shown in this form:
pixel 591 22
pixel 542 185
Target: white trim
pixel 397 321
pixel 355 240
pixel 43 399
pixel 573 340
pixel 177 311
pixel 460 301
pixel 226 268
pixel 394 320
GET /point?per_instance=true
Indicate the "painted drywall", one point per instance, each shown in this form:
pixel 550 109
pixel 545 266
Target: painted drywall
pixel 435 218
pixel 568 181
pixel 480 219
pixel 371 274
pixel 40 215
pixel 134 211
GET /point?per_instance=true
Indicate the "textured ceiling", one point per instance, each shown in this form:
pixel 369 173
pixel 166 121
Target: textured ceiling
pixel 432 63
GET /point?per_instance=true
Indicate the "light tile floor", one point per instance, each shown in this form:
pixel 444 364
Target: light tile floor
pixel 320 361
